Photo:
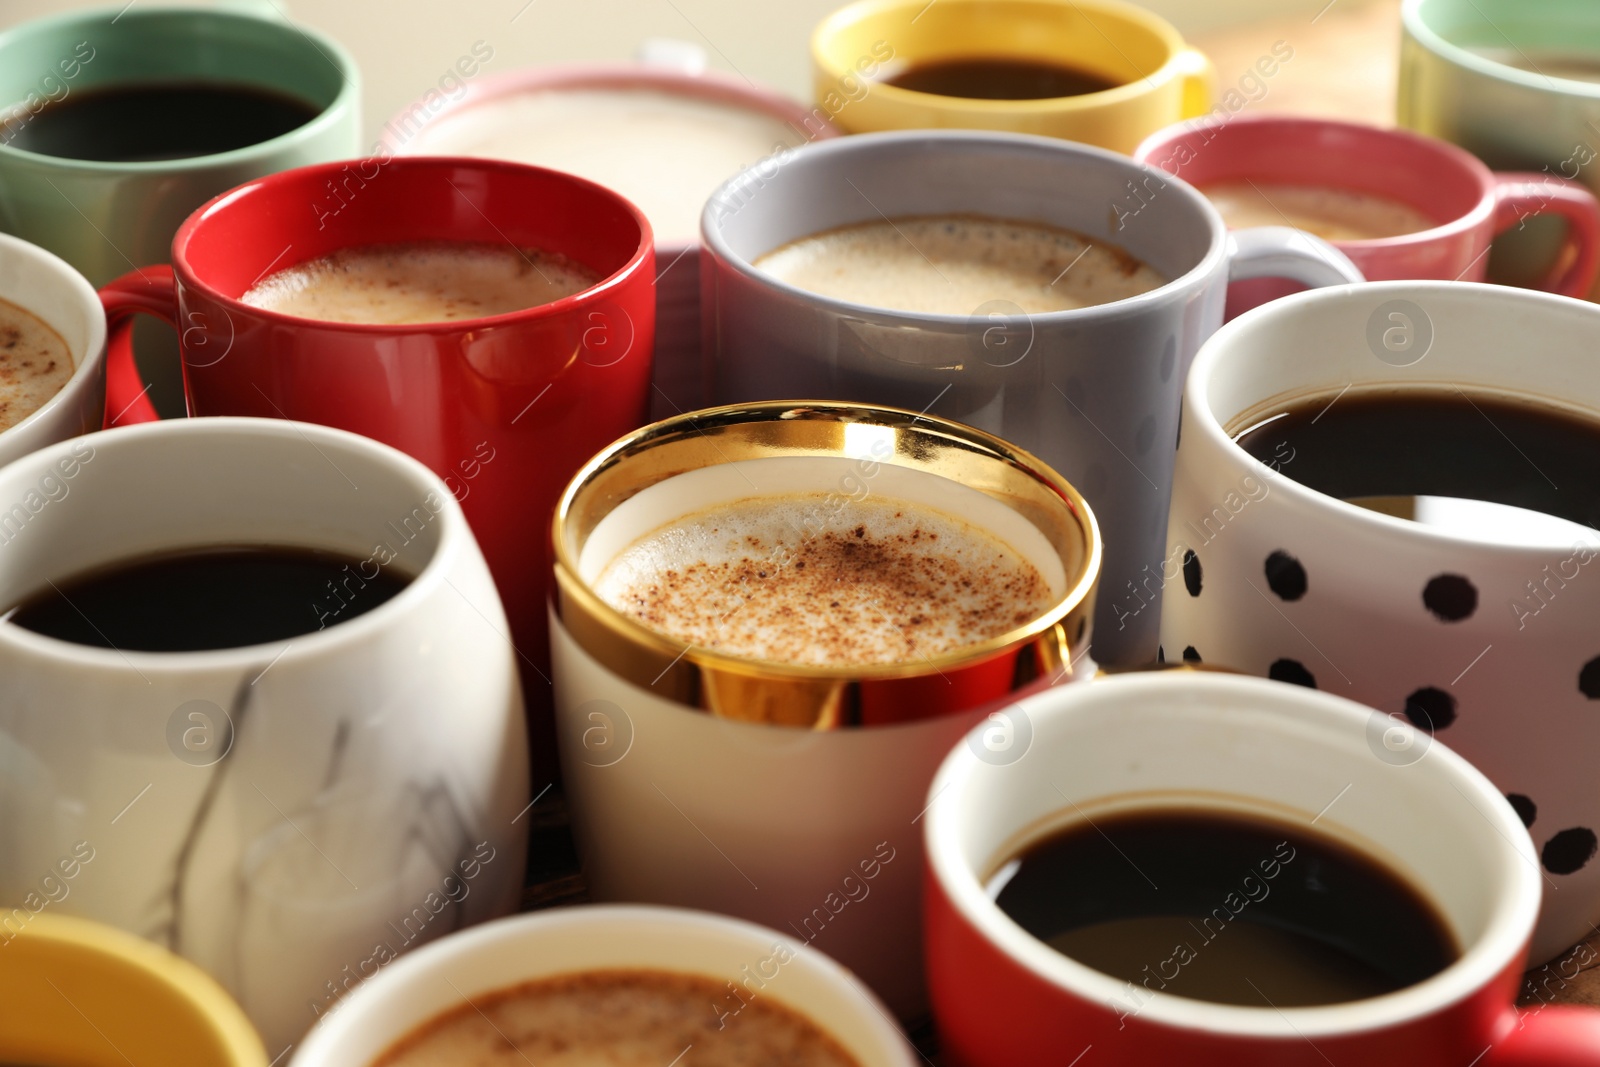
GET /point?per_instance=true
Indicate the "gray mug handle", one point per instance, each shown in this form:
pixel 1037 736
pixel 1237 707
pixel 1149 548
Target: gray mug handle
pixel 1284 252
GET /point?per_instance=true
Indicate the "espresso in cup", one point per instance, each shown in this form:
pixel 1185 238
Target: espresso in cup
pixel 1233 907
pixel 1376 445
pixel 1331 213
pixel 954 264
pixel 424 281
pixel 619 1017
pixel 147 122
pixel 225 596
pixel 35 362
pixel 791 580
pixel 1000 78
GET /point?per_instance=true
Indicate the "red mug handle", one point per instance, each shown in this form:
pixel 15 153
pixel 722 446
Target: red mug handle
pixel 1521 195
pixel 1556 1035
pixel 151 291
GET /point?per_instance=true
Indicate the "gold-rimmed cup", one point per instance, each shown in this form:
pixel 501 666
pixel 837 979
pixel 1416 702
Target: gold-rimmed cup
pixel 781 793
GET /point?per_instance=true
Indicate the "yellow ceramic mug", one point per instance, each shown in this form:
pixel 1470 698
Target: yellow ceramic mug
pixel 75 993
pixel 1158 79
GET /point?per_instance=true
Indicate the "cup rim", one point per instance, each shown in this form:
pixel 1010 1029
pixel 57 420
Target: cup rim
pixel 347 98
pixel 1505 936
pixel 599 292
pixel 1217 347
pixel 324 1038
pixel 87 370
pixel 714 241
pixel 1414 23
pixel 1080 586
pixel 176 977
pixel 1172 67
pixel 1447 153
pixel 332 641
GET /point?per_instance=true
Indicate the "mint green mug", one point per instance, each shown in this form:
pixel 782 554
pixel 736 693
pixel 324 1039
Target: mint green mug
pixel 1516 83
pixel 105 217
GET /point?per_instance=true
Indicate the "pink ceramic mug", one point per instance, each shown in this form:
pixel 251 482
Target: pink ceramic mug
pixel 458 124
pixel 1468 204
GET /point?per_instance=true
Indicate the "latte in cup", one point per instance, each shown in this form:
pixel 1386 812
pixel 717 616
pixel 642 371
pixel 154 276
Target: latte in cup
pixel 1331 213
pixel 953 264
pixel 809 579
pixel 34 363
pixel 422 281
pixel 638 1018
pixel 666 152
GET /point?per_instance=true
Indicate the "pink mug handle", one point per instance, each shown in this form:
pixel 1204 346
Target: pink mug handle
pixel 1550 1036
pixel 150 291
pixel 1523 194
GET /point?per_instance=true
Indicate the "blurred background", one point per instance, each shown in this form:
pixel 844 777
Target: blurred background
pixel 404 46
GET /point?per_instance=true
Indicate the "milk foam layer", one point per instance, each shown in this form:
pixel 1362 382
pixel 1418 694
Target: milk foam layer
pixel 666 152
pixel 955 264
pixel 1330 213
pixel 34 363
pixel 424 281
pixel 822 580
pixel 619 1019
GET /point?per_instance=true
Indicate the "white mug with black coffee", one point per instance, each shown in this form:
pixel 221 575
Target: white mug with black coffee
pixel 227 647
pixel 1389 492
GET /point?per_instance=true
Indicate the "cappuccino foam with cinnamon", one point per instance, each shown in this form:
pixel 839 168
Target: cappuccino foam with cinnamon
pixel 820 580
pixel 34 363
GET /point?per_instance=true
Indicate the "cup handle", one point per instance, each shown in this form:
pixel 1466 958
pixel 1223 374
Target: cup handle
pixel 1555 1035
pixel 1522 195
pixel 1283 252
pixel 152 291
pixel 1199 81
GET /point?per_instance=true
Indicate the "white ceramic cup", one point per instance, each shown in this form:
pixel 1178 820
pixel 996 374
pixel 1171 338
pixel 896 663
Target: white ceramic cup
pixel 1504 684
pixel 274 813
pixel 1003 997
pixel 525 948
pixel 44 284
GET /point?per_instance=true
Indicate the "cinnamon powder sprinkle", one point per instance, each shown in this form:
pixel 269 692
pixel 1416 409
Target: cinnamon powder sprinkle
pixel 802 580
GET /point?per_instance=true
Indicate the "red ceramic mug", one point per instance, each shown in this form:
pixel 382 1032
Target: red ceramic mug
pixel 504 408
pixel 1467 203
pixel 1003 998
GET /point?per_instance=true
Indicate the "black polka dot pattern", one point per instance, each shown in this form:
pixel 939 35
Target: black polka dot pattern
pixel 1286 576
pixel 1569 851
pixel 1190 655
pixel 1524 806
pixel 1450 597
pixel 1192 574
pixel 1431 709
pixel 1292 671
pixel 1588 678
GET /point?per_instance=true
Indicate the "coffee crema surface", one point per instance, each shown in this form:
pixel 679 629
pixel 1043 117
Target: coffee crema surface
pixel 1000 78
pixel 666 152
pixel 619 1019
pixel 956 264
pixel 34 363
pixel 798 579
pixel 1331 213
pixel 420 281
pixel 1219 905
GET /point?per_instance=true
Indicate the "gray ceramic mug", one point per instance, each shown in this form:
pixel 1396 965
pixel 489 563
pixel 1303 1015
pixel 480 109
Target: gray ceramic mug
pixel 1093 392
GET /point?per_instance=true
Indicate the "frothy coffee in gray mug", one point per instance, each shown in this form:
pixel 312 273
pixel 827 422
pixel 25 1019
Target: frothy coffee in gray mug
pixel 955 264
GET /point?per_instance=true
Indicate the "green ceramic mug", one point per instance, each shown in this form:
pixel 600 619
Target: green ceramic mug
pixel 1517 83
pixel 103 217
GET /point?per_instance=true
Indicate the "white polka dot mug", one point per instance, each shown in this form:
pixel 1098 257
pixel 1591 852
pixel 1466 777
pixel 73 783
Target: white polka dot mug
pixel 1467 623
